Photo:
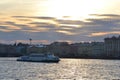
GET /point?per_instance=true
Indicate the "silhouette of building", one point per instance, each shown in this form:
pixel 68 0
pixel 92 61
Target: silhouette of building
pixel 97 49
pixel 93 49
pixel 36 49
pixel 112 46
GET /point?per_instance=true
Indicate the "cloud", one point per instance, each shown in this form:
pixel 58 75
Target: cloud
pixel 45 18
pixel 8 28
pixel 103 33
pixel 53 29
pixel 19 16
pixel 43 24
pixel 74 22
pixel 103 24
pixel 4 30
pixel 65 32
pixel 105 15
pixel 35 17
pixel 33 41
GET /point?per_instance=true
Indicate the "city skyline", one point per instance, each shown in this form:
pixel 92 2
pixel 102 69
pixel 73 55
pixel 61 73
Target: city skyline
pixel 46 21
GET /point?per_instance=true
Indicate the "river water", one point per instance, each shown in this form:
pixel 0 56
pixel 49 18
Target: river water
pixel 66 69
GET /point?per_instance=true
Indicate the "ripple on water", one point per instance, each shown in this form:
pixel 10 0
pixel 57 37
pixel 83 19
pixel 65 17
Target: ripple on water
pixel 66 69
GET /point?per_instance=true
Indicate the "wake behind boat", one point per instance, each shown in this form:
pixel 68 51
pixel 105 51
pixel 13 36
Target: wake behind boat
pixel 39 58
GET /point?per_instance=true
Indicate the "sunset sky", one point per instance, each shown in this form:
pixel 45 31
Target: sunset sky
pixel 46 21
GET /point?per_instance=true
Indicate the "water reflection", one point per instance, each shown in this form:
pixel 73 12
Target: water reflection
pixel 66 69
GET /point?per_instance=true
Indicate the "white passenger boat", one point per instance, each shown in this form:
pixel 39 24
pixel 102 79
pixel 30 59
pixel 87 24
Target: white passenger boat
pixel 39 58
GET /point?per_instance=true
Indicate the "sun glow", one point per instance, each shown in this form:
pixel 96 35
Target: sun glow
pixel 74 8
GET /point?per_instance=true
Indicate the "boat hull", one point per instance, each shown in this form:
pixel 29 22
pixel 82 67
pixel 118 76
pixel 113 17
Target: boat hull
pixel 48 61
pixel 39 58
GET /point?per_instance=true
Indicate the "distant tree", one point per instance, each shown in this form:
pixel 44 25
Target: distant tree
pixel 22 44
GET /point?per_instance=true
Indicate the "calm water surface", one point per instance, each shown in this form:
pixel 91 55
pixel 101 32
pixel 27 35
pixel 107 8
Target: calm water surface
pixel 66 69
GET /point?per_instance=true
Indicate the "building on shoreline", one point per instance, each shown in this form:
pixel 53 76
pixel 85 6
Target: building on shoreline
pixel 112 46
pixel 87 49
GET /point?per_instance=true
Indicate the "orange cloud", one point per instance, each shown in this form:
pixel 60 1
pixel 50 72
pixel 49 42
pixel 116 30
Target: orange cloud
pixel 36 30
pixel 71 25
pixel 33 41
pixel 5 30
pixel 65 32
pixel 69 41
pixel 14 28
pixel 103 33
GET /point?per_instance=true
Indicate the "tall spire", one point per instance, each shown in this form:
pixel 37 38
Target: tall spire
pixel 30 41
